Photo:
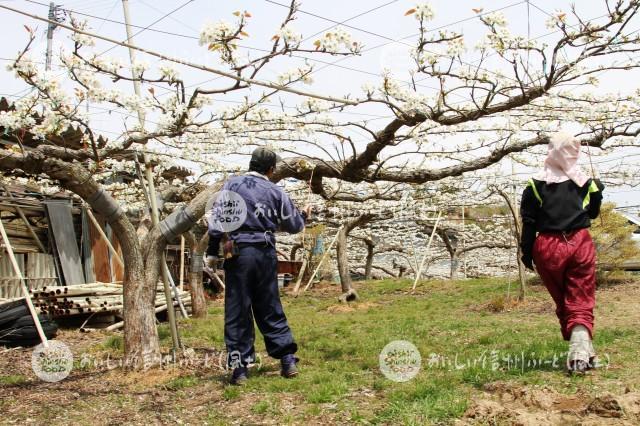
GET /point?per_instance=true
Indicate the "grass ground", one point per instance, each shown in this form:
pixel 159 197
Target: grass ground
pixel 472 340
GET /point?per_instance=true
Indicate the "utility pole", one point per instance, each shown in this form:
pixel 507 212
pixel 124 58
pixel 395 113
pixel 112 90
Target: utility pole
pixel 132 56
pixel 55 14
pixel 171 313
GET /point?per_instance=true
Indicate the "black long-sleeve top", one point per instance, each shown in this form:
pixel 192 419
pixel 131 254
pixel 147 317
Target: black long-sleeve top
pixel 557 207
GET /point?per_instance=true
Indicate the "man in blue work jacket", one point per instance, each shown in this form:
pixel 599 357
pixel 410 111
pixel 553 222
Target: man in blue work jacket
pixel 244 219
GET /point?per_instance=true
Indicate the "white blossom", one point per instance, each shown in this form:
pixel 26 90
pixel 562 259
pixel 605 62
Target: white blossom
pixel 335 40
pixel 139 67
pixel 290 36
pixel 218 32
pixel 169 72
pixel 424 12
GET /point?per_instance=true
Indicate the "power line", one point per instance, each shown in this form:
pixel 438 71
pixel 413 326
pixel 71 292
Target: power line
pixel 333 21
pixel 113 21
pixel 350 19
pixel 401 40
pixel 325 63
pixel 115 3
pixel 137 33
pixel 151 24
pixel 197 38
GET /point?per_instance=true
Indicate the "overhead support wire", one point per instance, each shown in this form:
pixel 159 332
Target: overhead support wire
pixel 188 63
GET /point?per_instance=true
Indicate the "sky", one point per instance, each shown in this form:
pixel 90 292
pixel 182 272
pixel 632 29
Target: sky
pixel 380 25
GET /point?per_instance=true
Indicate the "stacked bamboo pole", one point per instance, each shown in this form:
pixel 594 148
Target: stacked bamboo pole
pixel 66 301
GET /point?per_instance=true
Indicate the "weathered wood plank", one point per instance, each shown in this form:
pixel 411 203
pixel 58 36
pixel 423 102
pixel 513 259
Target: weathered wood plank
pixel 100 253
pixel 65 241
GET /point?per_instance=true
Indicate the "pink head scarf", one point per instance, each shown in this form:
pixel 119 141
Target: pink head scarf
pixel 562 161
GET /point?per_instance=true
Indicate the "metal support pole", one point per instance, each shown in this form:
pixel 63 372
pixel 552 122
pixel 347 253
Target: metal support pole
pixel 132 56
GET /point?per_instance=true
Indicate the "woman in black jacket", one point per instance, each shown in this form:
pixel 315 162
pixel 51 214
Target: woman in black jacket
pixel 558 204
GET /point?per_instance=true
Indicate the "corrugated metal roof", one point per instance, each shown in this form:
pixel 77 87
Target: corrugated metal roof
pixel 631 218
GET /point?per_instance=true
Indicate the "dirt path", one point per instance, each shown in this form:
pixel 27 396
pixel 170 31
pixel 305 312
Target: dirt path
pixel 504 403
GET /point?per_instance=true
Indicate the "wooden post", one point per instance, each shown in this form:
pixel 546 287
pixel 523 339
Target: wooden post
pixel 112 249
pixel 424 259
pixel 219 280
pixel 301 273
pixel 176 296
pixel 324 256
pixel 23 286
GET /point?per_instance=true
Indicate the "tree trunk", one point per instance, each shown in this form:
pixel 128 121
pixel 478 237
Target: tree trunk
pixel 198 299
pixel 294 251
pixel 521 273
pixel 141 258
pixel 517 235
pixel 453 275
pixel 369 263
pixel 141 342
pixel 348 293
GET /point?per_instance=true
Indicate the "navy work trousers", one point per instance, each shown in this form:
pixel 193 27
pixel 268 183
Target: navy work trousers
pixel 252 291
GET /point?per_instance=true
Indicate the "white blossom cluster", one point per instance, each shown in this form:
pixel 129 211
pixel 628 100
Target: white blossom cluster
pixel 410 99
pixel 424 12
pixel 107 63
pixel 291 37
pixel 456 46
pixel 217 33
pixel 25 65
pixel 169 72
pixel 499 38
pixel 139 67
pixel 55 109
pixel 335 40
pixel 81 39
pixel 555 20
pixel 302 73
pixel 219 37
pixel 22 114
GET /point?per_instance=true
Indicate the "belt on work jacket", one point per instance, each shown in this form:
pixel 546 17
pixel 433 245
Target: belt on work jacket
pixel 257 243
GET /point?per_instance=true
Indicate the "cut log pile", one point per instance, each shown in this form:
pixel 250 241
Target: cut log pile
pixel 80 299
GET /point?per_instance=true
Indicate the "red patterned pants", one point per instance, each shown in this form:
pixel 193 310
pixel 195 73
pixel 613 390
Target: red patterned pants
pixel 566 263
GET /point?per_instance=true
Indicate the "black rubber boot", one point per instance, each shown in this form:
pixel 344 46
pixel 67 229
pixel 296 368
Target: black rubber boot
pixel 288 366
pixel 239 376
